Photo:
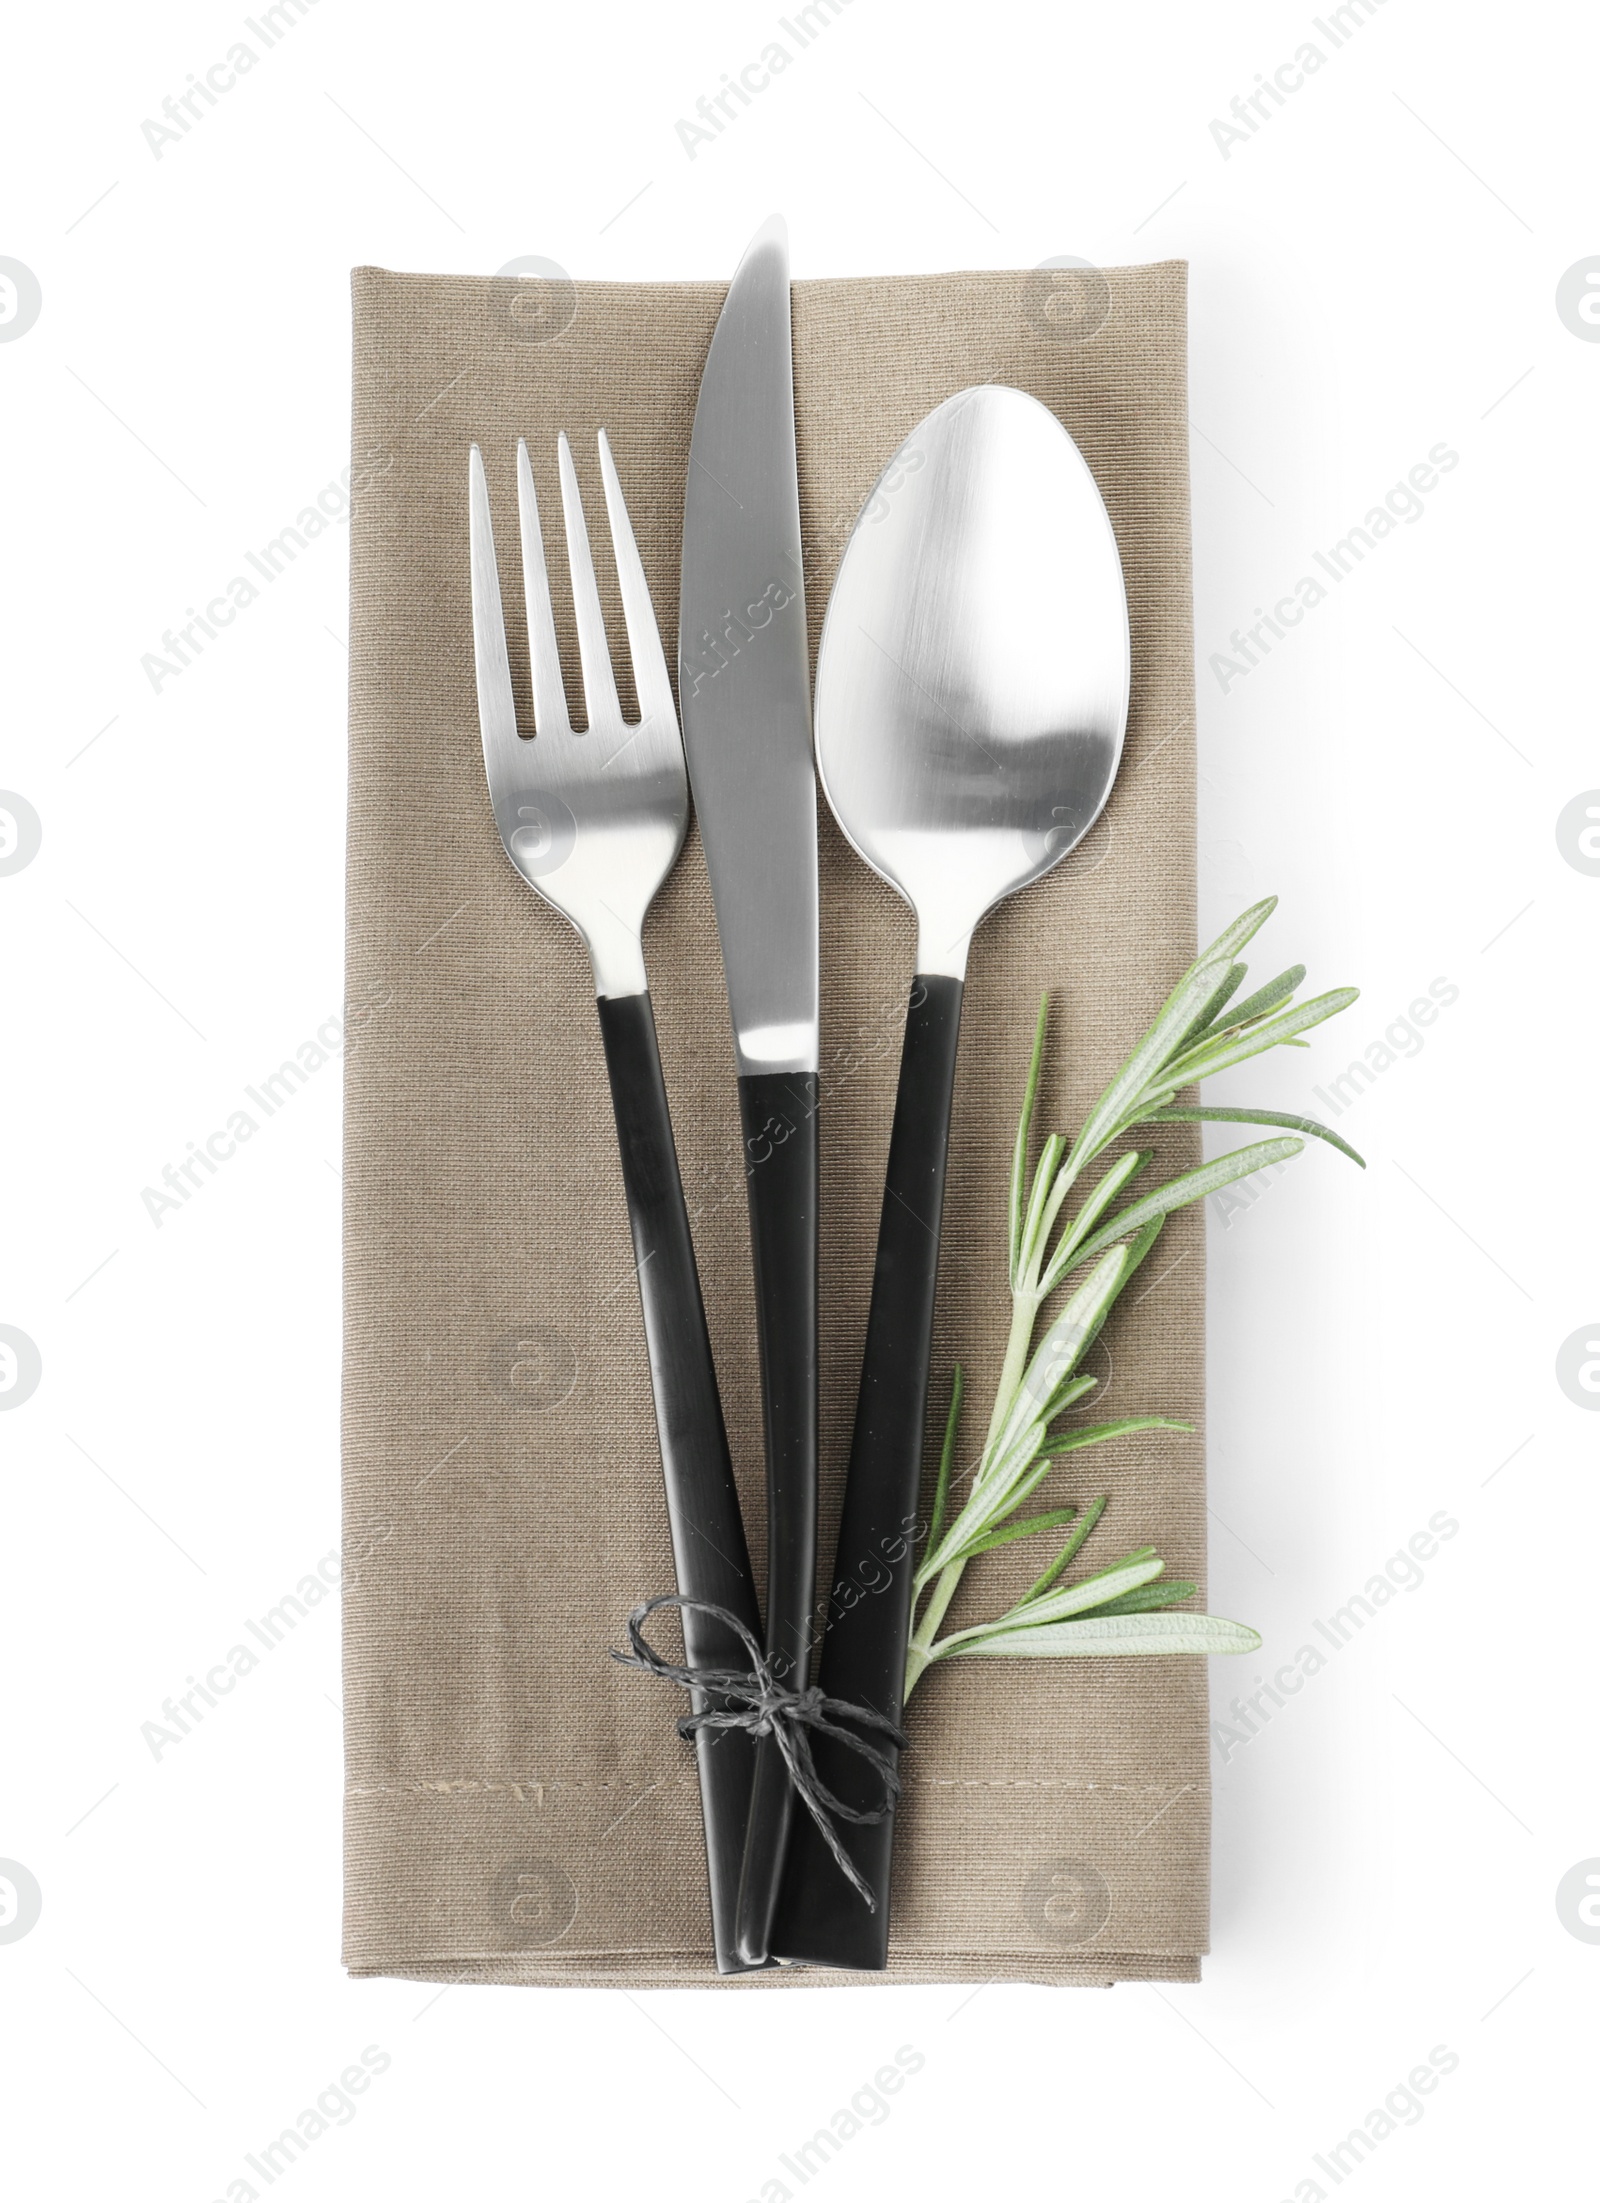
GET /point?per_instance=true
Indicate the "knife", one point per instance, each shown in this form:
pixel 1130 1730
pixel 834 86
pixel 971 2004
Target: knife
pixel 745 704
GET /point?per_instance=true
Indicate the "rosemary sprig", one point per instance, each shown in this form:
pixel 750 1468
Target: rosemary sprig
pixel 1122 1609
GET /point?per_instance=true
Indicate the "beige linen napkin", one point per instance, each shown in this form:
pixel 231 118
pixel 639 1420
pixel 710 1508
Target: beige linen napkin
pixel 520 1808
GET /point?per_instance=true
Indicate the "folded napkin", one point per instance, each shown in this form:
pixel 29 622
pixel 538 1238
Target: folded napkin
pixel 520 1808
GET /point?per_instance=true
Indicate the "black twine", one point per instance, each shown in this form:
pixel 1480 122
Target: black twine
pixel 769 1709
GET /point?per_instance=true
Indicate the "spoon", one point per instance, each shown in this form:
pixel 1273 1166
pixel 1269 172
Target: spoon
pixel 971 697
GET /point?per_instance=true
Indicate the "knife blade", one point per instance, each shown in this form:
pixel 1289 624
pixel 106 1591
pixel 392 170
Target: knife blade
pixel 744 697
pixel 744 669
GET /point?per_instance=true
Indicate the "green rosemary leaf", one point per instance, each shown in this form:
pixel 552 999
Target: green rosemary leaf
pixel 1019 1154
pixel 1004 1461
pixel 1255 1116
pixel 1151 1596
pixel 1068 1553
pixel 1142 1245
pixel 1138 1248
pixel 1095 1434
pixel 1093 1208
pixel 1000 1487
pixel 1041 1202
pixel 982 1512
pixel 1190 1001
pixel 947 1453
pixel 1052 1520
pixel 1245 927
pixel 1078 1598
pixel 1194 1185
pixel 1266 998
pixel 1116 1636
pixel 1075 1598
pixel 1211 1056
pixel 1057 1353
pixel 1217 1004
pixel 1065 1395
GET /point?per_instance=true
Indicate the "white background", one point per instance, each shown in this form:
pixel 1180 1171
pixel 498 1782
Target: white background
pixel 1374 272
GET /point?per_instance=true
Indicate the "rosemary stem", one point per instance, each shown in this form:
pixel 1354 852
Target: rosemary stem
pixel 920 1650
pixel 1024 1315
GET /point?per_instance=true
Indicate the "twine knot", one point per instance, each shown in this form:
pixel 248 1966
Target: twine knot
pixel 767 1707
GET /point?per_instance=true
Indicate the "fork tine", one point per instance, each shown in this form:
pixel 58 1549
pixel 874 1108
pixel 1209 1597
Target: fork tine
pixel 497 710
pixel 549 697
pixel 650 677
pixel 599 689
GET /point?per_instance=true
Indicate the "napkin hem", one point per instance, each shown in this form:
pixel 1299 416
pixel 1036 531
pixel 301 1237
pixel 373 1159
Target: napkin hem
pixel 901 1973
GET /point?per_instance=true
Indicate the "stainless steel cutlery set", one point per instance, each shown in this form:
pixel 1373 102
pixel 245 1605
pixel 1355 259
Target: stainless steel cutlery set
pixel 972 692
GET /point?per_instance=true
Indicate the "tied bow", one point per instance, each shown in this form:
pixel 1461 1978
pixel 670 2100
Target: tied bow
pixel 767 1707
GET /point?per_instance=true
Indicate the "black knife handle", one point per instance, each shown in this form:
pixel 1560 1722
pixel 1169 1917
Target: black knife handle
pixel 821 1920
pixel 779 1110
pixel 708 1541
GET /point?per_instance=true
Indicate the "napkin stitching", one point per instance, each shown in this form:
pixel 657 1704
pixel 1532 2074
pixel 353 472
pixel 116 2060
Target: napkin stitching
pixel 685 1778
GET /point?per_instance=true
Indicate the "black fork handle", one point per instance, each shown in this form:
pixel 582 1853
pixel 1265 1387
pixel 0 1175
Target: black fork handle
pixel 779 1111
pixel 708 1542
pixel 822 1920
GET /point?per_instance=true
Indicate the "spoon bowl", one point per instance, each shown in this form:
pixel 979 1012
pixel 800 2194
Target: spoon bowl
pixel 972 685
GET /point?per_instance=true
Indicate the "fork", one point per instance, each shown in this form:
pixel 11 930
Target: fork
pixel 594 821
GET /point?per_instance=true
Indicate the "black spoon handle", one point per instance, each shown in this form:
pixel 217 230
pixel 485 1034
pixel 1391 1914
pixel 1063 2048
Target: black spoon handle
pixel 821 1920
pixel 708 1542
pixel 780 1129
